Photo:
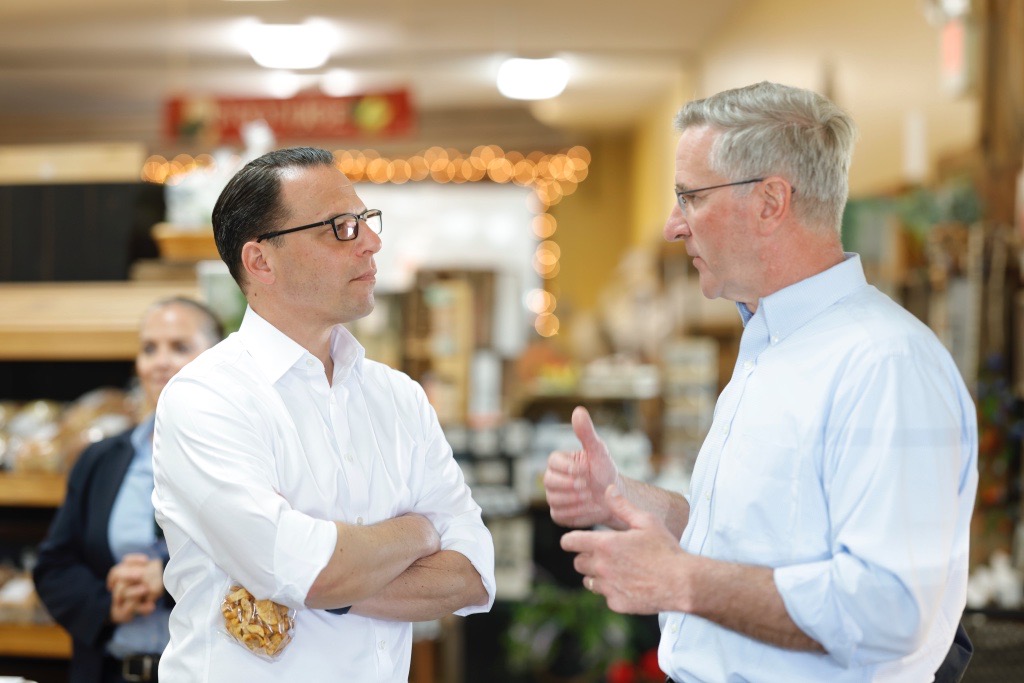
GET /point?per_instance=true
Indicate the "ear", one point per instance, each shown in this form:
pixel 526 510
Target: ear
pixel 256 262
pixel 776 205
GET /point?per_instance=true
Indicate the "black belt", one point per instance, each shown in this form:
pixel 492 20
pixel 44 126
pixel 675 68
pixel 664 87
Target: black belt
pixel 138 668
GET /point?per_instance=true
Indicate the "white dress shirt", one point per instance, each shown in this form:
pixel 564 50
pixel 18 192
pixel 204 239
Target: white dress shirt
pixel 255 457
pixel 843 453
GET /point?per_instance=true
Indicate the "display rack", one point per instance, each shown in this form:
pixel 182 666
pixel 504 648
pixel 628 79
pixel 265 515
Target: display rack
pixel 32 489
pixel 80 321
pixel 77 320
pixel 34 640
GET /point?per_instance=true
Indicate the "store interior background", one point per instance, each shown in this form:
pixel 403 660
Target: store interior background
pixel 615 322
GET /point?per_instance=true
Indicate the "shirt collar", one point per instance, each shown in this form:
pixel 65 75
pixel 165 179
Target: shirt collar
pixel 347 353
pixel 790 308
pixel 275 352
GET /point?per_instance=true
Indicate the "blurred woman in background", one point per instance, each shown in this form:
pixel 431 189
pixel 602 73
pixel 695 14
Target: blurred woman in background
pixel 100 568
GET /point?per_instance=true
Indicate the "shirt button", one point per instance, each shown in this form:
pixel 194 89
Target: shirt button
pixel 359 520
pixel 674 628
pixel 348 457
pixel 309 363
pixel 382 645
pixel 707 496
pixel 775 339
pixel 748 365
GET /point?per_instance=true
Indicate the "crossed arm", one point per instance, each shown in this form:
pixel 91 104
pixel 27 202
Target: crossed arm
pixel 396 570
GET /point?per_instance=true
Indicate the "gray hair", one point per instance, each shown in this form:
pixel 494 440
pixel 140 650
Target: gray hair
pixel 768 129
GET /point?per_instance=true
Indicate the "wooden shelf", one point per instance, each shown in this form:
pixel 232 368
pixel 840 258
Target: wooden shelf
pixel 33 640
pixel 78 320
pixel 32 489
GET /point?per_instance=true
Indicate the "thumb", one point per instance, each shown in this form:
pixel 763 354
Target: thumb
pixel 622 508
pixel 583 426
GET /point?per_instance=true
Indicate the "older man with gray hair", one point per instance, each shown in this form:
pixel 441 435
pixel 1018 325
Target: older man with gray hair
pixel 825 534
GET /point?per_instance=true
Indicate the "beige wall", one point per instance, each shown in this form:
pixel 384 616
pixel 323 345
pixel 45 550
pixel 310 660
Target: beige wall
pixel 594 227
pixel 879 59
pixel 653 164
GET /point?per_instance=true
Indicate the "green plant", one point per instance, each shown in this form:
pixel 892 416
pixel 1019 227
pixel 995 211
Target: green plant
pixel 566 633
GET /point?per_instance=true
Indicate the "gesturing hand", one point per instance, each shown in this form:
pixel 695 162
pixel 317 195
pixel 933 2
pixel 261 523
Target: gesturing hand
pixel 575 483
pixel 634 569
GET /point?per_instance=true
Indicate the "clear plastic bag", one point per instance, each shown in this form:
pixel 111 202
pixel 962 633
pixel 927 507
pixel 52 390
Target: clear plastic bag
pixel 262 626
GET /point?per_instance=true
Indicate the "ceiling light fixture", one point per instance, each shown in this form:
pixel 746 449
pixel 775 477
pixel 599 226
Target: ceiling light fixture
pixel 339 83
pixel 283 84
pixel 290 46
pixel 532 79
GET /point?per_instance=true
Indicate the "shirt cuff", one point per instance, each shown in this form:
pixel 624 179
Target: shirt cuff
pixel 475 544
pixel 807 593
pixel 302 550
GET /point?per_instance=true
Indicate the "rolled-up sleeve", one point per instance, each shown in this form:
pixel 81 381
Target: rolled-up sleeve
pixel 215 486
pixel 899 477
pixel 446 500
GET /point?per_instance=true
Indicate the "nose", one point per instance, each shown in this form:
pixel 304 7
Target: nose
pixel 676 227
pixel 162 357
pixel 369 240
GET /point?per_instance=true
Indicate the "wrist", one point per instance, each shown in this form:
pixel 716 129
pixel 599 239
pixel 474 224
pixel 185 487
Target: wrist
pixel 692 578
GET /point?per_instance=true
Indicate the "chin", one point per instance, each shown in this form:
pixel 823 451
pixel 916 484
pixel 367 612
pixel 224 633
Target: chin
pixel 356 311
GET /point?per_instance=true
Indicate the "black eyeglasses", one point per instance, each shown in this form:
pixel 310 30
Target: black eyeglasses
pixel 681 195
pixel 345 225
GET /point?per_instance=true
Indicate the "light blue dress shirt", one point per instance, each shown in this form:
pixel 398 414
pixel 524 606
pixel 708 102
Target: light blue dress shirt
pixel 132 530
pixel 843 453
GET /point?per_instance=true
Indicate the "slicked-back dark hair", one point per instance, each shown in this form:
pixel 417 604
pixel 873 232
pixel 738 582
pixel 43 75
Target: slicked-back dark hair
pixel 250 204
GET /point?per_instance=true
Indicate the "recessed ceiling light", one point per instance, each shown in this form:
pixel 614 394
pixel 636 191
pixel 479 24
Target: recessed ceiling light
pixel 283 84
pixel 532 79
pixel 339 83
pixel 290 46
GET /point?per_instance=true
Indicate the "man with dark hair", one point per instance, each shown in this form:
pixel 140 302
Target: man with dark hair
pixel 826 530
pixel 288 464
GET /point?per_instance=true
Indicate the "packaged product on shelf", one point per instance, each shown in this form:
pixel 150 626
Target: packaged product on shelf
pixel 19 603
pixel 96 415
pixel 44 436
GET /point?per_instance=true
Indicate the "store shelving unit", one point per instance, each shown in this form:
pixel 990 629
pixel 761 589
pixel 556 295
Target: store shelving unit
pixel 34 640
pixel 73 321
pixel 77 320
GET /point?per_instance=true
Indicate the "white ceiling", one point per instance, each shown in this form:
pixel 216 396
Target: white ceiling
pixel 103 68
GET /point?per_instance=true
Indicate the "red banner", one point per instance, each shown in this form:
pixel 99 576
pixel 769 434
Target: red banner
pixel 211 120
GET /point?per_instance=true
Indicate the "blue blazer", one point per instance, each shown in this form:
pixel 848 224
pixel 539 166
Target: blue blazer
pixel 74 559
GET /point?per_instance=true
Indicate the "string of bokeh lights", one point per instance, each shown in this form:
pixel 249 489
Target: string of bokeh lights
pixel 550 176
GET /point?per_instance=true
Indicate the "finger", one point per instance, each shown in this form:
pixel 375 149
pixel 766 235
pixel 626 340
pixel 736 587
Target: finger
pixel 584 564
pixel 583 426
pixel 622 508
pixel 558 481
pixel 135 558
pixel 559 461
pixel 135 592
pixel 146 607
pixel 578 541
pixel 588 582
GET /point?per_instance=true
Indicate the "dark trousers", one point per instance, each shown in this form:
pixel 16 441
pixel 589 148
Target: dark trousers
pixel 113 671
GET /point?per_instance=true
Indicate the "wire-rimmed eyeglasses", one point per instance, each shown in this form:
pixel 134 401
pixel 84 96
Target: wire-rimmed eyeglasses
pixel 345 225
pixel 682 196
